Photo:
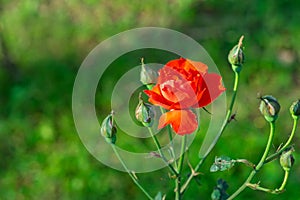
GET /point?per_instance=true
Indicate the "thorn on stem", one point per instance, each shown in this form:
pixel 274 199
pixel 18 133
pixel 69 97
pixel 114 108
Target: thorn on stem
pixel 232 117
pixel 206 110
pixel 154 154
pixel 277 191
pixel 279 147
pixel 172 176
pixel 134 175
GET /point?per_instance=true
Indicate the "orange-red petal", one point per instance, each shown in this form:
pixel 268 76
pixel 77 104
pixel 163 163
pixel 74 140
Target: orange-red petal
pixel 201 67
pixel 156 98
pixel 182 121
pixel 212 87
pixel 185 65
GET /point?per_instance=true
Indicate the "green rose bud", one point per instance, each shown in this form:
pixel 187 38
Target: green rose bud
pixel 144 113
pixel 295 109
pixel 286 159
pixel 108 129
pixel 236 56
pixel 148 76
pixel 269 107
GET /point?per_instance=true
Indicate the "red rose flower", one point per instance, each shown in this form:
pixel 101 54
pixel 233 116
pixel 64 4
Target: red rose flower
pixel 183 84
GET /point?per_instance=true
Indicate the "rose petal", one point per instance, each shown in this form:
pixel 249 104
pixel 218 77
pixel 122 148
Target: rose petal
pixel 184 65
pixel 180 93
pixel 156 98
pixel 201 67
pixel 212 87
pixel 168 73
pixel 182 121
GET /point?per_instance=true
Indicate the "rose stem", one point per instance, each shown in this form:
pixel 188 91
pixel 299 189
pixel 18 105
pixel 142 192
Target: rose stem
pixel 273 156
pixel 225 123
pixel 180 164
pixel 170 139
pixel 259 165
pixel 276 191
pixel 130 174
pixel 161 153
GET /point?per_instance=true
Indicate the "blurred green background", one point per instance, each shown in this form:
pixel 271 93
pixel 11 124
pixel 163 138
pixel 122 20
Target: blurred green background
pixel 43 44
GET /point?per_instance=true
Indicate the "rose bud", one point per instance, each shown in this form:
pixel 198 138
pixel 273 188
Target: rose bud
pixel 286 159
pixel 147 76
pixel 269 107
pixel 108 129
pixel 295 109
pixel 144 113
pixel 236 56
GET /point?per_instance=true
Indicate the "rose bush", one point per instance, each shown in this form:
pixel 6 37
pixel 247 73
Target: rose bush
pixel 183 84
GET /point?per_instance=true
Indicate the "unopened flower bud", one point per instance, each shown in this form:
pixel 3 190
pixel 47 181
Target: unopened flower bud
pixel 295 109
pixel 269 107
pixel 148 76
pixel 286 159
pixel 144 113
pixel 236 56
pixel 108 129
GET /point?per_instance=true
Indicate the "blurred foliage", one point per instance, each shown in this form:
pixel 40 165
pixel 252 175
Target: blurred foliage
pixel 42 45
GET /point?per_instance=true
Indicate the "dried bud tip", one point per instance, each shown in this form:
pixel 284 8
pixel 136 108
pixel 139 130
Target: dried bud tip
pixel 236 56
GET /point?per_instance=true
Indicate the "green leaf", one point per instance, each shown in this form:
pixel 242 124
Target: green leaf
pixel 219 192
pixel 216 194
pixel 222 163
pixel 158 196
pixel 214 168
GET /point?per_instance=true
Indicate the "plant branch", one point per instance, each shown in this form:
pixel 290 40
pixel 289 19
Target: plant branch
pixel 275 155
pixel 161 153
pixel 276 191
pixel 180 165
pixel 224 125
pixel 259 165
pixel 130 173
pixel 283 184
pixel 170 139
pixel 246 162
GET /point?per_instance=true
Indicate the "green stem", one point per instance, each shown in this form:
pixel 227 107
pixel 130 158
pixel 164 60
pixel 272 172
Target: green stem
pixel 170 139
pixel 246 162
pixel 276 191
pixel 182 152
pixel 161 153
pixel 257 187
pixel 235 88
pixel 180 165
pixel 130 174
pixel 286 176
pixel 269 144
pixel 267 190
pixel 192 175
pixel 259 165
pixel 275 155
pixel 172 144
pixel 224 125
